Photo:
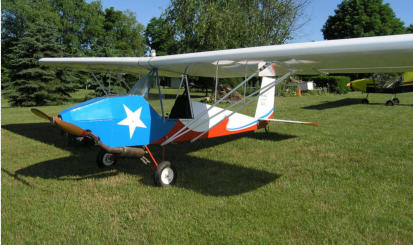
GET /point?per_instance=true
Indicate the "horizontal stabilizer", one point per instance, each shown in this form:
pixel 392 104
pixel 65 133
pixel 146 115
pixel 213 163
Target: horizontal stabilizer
pixel 290 121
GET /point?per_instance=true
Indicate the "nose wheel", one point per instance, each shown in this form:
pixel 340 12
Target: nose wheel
pixel 164 174
pixel 106 159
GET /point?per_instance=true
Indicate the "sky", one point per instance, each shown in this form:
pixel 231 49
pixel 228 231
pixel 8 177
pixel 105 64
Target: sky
pixel 316 13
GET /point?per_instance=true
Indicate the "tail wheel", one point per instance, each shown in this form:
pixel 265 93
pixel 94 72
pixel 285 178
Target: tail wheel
pixel 106 159
pixel 165 174
pixel 389 103
pixel 396 101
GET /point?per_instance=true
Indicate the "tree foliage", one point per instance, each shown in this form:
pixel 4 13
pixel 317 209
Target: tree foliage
pixel 123 35
pixel 410 28
pixel 362 18
pixel 29 83
pixel 199 25
pixel 79 28
pixel 160 37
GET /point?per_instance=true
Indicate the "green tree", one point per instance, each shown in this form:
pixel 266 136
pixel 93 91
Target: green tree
pixel 362 18
pixel 80 25
pixel 30 84
pixel 201 25
pixel 81 29
pixel 208 25
pixel 159 36
pixel 122 35
pixel 16 16
pixel 410 28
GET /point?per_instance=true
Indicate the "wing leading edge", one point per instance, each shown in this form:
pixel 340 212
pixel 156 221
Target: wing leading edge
pixel 358 55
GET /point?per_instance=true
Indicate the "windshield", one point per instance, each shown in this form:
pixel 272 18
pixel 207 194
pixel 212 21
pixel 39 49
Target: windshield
pixel 143 86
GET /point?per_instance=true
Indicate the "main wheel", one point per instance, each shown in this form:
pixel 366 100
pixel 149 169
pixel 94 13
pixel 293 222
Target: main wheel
pixel 106 159
pixel 396 101
pixel 364 101
pixel 165 174
pixel 389 103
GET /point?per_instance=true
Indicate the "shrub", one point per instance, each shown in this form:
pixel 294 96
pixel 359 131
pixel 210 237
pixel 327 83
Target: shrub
pixel 335 84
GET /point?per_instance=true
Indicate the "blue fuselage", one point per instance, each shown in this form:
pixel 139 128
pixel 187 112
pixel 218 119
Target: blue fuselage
pixel 120 121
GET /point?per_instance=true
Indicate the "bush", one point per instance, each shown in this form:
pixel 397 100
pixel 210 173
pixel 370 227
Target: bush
pixel 318 91
pixel 335 84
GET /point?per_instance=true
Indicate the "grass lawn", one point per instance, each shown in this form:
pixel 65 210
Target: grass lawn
pixel 349 181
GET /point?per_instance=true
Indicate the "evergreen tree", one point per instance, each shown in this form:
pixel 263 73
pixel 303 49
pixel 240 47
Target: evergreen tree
pixel 362 18
pixel 82 29
pixel 30 84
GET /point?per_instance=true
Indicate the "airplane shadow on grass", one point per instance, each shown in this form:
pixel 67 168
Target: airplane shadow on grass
pixel 202 175
pixel 334 104
pixel 343 102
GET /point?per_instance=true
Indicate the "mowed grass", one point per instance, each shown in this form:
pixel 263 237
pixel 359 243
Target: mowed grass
pixel 349 181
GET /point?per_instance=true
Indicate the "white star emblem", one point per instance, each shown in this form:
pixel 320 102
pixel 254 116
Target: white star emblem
pixel 132 120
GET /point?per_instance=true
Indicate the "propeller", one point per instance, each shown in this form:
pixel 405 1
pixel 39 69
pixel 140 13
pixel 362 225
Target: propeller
pixel 65 126
pixel 77 131
pixel 41 114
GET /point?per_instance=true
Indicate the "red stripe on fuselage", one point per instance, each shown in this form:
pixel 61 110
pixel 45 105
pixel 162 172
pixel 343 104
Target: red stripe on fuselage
pixel 217 131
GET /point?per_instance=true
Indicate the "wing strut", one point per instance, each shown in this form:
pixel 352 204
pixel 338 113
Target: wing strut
pixel 245 77
pixel 99 83
pixel 262 90
pixel 158 83
pixel 216 82
pixel 186 128
pixel 189 95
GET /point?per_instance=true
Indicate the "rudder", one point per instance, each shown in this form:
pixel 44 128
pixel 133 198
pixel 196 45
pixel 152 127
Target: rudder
pixel 265 105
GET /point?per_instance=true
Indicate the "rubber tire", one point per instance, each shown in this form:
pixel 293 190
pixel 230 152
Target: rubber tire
pixel 158 174
pixel 364 101
pixel 104 159
pixel 396 101
pixel 389 103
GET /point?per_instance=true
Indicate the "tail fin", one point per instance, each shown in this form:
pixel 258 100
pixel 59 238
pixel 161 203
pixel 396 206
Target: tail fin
pixel 265 105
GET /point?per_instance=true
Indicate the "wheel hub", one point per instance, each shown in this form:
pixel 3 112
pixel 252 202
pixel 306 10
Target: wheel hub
pixel 108 159
pixel 167 175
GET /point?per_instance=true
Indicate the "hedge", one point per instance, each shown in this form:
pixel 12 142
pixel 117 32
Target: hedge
pixel 335 84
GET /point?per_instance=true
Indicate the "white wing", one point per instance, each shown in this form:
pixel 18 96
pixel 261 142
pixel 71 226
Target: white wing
pixel 357 55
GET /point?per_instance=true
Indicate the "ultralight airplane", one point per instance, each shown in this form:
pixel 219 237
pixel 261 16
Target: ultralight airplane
pixel 366 85
pixel 124 126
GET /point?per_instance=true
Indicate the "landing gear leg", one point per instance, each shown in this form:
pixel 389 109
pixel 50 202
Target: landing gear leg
pixel 164 173
pixel 395 100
